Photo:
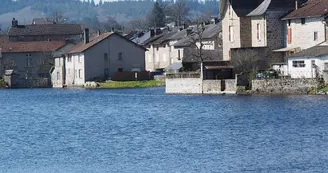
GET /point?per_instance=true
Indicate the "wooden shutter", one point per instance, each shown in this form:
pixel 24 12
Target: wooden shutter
pixel 289 35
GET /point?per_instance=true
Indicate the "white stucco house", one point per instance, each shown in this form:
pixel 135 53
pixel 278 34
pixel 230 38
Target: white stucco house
pixel 99 58
pixel 309 63
pixel 305 26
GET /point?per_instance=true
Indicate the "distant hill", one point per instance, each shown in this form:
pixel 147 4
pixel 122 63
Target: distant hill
pixel 86 11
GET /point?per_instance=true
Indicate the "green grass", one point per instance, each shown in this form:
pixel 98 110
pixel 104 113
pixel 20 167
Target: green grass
pixel 2 83
pixel 132 84
pixel 324 89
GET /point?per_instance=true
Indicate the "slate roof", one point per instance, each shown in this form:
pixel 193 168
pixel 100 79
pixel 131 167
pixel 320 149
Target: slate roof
pixel 46 29
pixel 81 47
pixel 209 33
pixel 313 8
pixel 255 7
pixel 37 46
pixel 40 21
pixel 315 51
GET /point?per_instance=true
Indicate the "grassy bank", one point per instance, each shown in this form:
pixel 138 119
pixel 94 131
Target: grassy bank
pixel 132 84
pixel 2 83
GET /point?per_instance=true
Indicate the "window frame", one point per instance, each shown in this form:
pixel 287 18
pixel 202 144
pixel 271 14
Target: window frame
pixel 298 64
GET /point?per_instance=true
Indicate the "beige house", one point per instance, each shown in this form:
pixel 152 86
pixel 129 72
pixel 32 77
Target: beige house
pixel 254 26
pixel 98 58
pixel 305 26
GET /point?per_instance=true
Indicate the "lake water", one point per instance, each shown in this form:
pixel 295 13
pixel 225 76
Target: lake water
pixel 146 131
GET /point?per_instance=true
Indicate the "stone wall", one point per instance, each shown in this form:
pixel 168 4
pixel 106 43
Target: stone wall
pixel 183 86
pixel 197 86
pixel 283 86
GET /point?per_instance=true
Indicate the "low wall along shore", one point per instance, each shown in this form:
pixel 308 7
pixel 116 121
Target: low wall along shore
pixel 283 86
pixel 199 86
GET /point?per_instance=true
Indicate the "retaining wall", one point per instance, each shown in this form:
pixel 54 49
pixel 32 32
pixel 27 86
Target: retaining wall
pixel 283 86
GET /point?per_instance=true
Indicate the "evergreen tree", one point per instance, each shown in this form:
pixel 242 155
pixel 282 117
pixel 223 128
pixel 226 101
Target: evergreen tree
pixel 157 17
pixel 100 3
pixel 93 3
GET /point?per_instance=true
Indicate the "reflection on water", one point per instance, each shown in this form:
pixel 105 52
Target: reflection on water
pixel 144 130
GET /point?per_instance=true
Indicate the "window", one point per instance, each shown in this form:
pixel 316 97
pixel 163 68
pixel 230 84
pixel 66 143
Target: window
pixel 28 62
pixel 258 32
pixel 298 64
pixel 58 76
pixel 289 34
pixel 120 56
pixel 315 36
pixel 303 21
pixel 179 55
pixel 289 21
pixel 120 70
pixel 106 71
pixel 231 33
pixel 69 58
pixel 80 58
pixel 80 73
pixel 105 56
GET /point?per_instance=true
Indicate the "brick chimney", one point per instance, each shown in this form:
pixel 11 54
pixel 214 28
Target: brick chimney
pixel 296 4
pixel 14 23
pixel 86 35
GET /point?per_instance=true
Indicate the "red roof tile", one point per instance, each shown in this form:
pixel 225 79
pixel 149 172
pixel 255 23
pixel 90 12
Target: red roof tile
pixel 313 8
pixel 39 46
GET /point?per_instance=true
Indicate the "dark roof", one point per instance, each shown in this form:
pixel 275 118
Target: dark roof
pixel 81 47
pixel 150 40
pixel 46 29
pixel 255 7
pixel 210 32
pixel 208 55
pixel 165 38
pixel 315 51
pixel 37 46
pixel 313 8
pixel 41 21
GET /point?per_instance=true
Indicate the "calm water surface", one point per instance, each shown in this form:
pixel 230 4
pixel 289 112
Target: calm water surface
pixel 144 130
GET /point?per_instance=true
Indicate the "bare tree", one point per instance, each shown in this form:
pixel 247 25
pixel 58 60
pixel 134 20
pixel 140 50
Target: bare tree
pixel 136 24
pixel 57 17
pixel 179 11
pixel 245 61
pixel 44 64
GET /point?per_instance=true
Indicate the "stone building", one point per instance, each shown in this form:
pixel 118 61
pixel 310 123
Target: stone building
pixel 254 26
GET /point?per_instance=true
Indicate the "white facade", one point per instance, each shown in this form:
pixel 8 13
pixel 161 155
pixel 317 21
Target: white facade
pixel 306 67
pixel 305 35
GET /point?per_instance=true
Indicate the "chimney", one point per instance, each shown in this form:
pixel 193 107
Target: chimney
pixel 296 4
pixel 189 30
pixel 98 32
pixel 14 23
pixel 86 35
pixel 152 32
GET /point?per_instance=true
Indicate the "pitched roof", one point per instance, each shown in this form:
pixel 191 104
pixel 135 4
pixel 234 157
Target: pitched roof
pixel 209 33
pixel 46 29
pixel 255 7
pixel 41 21
pixel 81 47
pixel 313 8
pixel 37 46
pixel 315 51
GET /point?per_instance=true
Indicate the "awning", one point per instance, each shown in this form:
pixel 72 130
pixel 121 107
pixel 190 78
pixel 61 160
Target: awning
pixel 286 49
pixel 218 67
pixel 174 66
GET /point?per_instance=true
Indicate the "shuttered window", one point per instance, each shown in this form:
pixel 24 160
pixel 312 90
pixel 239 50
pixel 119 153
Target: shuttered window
pixel 289 35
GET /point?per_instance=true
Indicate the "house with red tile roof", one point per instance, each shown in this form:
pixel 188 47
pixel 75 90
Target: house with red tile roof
pixel 305 26
pixel 98 57
pixel 29 60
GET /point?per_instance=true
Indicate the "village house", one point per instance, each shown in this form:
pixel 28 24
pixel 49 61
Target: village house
pixel 31 61
pixel 254 26
pixel 305 26
pixel 45 32
pixel 99 57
